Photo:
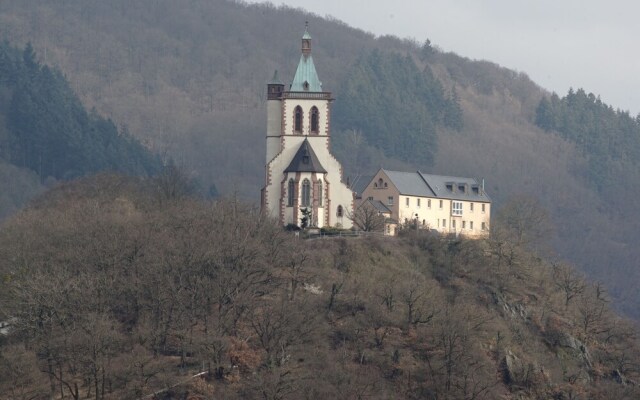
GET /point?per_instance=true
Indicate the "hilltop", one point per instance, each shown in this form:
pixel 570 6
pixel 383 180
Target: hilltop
pixel 115 289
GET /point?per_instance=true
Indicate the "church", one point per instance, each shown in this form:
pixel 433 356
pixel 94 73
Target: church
pixel 302 178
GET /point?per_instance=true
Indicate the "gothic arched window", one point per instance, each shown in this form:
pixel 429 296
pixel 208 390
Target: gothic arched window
pixel 306 193
pixel 297 123
pixel 315 120
pixel 320 193
pixel 291 190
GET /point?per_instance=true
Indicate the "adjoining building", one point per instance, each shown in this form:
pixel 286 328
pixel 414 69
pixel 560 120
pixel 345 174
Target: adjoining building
pixel 302 177
pixel 446 204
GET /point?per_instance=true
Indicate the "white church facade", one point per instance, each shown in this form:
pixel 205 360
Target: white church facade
pixel 302 177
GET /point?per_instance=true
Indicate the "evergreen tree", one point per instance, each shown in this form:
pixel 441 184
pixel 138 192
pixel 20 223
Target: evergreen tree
pixel 396 106
pixel 49 131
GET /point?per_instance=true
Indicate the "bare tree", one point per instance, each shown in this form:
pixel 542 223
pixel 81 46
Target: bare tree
pixel 526 221
pixel 367 218
pixel 568 281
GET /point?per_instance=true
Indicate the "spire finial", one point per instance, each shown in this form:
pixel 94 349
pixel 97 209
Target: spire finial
pixel 306 40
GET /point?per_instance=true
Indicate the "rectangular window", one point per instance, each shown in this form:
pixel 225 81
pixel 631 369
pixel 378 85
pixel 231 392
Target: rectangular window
pixel 371 198
pixel 418 203
pixel 444 223
pixel 456 208
pixel 464 224
pixel 407 202
pixel 484 226
pixel 471 207
pixel 483 207
pixel 390 200
pixel 429 203
pixel 440 204
pixel 471 225
pixel 453 224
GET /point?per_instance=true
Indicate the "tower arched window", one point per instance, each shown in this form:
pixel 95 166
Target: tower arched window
pixel 306 193
pixel 290 191
pixel 315 120
pixel 340 212
pixel 320 193
pixel 297 123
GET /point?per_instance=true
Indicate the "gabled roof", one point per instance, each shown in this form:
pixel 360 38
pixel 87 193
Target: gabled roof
pixel 360 183
pixel 439 186
pixel 410 183
pixel 305 160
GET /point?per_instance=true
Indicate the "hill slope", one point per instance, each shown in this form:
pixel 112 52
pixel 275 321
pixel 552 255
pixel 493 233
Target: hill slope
pixel 114 294
pixel 187 77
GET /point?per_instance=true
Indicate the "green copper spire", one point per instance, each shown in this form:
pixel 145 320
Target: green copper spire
pixel 306 78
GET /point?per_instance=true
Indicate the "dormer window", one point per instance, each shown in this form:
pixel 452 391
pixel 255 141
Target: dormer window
pixel 315 116
pixel 305 86
pixel 297 123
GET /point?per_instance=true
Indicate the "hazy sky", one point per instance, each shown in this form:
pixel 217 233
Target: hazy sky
pixel 593 44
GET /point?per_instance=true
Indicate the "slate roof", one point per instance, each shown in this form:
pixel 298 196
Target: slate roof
pixel 305 160
pixel 410 183
pixel 438 183
pixel 360 183
pixel 439 186
pixel 379 206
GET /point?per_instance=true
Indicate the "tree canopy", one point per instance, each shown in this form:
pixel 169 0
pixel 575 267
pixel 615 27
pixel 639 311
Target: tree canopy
pixel 397 106
pixel 48 130
pixel 609 138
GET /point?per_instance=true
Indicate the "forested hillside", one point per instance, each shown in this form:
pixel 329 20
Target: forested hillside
pixel 116 290
pixel 188 77
pixel 383 92
pixel 44 128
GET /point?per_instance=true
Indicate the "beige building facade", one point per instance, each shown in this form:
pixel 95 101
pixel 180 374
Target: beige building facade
pixel 442 203
pixel 302 177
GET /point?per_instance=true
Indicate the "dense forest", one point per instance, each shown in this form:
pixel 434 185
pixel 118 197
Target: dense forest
pixel 44 128
pixel 382 92
pixel 120 288
pixel 610 138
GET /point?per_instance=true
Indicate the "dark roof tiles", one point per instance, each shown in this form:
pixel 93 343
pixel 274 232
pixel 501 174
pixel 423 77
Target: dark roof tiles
pixel 305 160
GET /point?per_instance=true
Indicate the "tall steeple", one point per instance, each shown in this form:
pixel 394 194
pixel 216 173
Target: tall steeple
pixel 301 174
pixel 306 78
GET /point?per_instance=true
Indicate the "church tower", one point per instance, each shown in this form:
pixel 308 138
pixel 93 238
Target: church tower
pixel 302 176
